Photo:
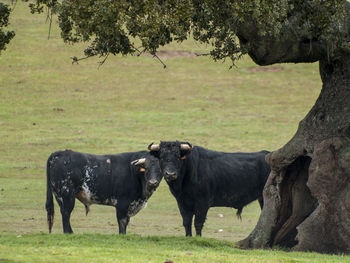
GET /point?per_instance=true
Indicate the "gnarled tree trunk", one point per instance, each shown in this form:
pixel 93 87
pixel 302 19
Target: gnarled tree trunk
pixel 307 195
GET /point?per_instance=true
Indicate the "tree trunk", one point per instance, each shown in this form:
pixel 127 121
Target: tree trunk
pixel 307 195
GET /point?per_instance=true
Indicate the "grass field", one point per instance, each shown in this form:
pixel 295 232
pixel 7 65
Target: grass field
pixel 130 248
pixel 48 104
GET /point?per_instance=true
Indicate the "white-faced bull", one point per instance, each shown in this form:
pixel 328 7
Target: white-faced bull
pixel 200 178
pixel 124 181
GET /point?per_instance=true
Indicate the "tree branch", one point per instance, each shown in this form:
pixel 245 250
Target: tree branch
pixel 103 61
pixel 154 55
pixel 49 17
pixel 76 60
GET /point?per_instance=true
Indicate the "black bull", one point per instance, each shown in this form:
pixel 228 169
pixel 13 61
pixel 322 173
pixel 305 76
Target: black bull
pixel 200 178
pixel 124 181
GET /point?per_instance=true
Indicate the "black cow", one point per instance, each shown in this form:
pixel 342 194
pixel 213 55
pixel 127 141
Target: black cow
pixel 200 178
pixel 124 181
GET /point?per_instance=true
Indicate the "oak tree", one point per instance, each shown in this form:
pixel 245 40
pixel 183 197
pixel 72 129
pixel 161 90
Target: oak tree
pixel 5 36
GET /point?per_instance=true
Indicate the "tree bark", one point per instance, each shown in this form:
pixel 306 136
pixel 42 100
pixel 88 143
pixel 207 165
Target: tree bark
pixel 307 195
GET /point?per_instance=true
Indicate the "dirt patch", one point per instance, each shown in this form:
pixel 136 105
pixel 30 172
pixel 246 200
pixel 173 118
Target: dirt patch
pixel 265 69
pixel 174 54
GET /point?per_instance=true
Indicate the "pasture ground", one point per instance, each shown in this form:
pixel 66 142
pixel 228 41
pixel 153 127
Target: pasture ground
pixel 48 104
pixel 130 248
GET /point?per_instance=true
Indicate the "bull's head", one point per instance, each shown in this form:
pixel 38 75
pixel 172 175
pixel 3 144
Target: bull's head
pixel 171 156
pixel 149 170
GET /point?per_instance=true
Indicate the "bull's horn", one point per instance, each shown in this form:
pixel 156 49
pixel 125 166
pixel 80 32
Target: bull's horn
pixel 139 161
pixel 186 146
pixel 153 147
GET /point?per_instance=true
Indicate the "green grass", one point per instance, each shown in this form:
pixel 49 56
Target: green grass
pixel 48 104
pixel 130 248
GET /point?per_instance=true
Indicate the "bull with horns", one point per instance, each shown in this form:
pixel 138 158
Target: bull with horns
pixel 200 178
pixel 125 181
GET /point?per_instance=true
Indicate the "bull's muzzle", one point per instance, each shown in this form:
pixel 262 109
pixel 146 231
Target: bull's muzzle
pixel 152 184
pixel 170 176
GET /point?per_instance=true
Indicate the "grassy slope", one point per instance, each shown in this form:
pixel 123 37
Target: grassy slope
pixel 47 104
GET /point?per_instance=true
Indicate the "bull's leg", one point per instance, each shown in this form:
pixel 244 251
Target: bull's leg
pixel 199 220
pixel 261 202
pixel 123 222
pixel 187 217
pixel 66 204
pixel 122 216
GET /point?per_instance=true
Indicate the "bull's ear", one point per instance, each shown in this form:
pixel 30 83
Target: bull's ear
pixel 185 149
pixel 140 163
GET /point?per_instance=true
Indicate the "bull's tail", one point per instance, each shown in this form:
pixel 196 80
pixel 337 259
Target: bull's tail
pixel 49 197
pixel 239 212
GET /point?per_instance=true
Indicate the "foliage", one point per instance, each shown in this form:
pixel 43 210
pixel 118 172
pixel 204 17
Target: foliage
pixel 116 26
pixel 5 36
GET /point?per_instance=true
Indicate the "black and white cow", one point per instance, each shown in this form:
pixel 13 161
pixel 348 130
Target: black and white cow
pixel 124 181
pixel 200 178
